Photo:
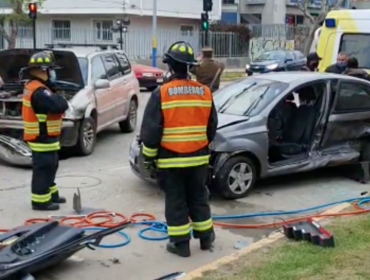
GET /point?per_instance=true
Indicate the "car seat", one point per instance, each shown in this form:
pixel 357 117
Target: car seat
pixel 297 131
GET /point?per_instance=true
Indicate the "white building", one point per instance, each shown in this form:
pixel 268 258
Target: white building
pixel 90 22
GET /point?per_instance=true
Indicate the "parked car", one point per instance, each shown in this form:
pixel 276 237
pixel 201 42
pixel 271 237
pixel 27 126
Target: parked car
pixel 100 86
pixel 149 77
pixel 276 61
pixel 282 123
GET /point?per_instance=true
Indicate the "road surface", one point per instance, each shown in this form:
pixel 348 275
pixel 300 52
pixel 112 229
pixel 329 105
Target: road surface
pixel 106 182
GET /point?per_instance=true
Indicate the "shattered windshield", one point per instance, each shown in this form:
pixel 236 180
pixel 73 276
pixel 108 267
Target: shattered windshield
pixel 247 97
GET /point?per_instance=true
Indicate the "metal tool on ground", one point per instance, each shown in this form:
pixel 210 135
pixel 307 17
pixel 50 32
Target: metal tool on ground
pixel 77 205
pixel 172 276
pixel 311 231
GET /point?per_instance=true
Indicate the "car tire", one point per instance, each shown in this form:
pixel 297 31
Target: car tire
pixel 129 124
pixel 151 88
pixel 86 137
pixel 229 178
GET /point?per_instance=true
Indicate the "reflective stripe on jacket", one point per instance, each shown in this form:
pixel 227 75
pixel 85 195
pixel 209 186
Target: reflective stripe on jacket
pixel 33 121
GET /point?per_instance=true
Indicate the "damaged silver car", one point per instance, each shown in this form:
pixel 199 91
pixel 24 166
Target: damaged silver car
pixel 282 123
pixel 100 87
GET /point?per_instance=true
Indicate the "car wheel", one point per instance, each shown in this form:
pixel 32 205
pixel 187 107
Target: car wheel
pixel 129 124
pixel 236 178
pixel 86 137
pixel 151 88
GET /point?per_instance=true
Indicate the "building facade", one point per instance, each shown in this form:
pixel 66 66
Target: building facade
pixel 91 22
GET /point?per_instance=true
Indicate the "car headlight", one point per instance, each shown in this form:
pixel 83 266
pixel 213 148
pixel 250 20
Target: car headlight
pixel 147 74
pixel 70 113
pixel 247 67
pixel 272 66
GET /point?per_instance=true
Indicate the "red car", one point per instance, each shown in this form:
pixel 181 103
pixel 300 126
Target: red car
pixel 149 77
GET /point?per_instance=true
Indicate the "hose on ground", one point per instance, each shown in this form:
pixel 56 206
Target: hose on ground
pixel 93 221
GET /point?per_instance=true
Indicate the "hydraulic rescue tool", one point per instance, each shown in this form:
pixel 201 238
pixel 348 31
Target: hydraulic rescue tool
pixel 310 231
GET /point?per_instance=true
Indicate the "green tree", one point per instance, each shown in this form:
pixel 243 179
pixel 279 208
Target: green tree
pixel 304 6
pixel 17 18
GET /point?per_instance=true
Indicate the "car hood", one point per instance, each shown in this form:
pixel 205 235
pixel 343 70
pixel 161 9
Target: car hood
pixel 13 60
pixel 145 68
pixel 265 63
pixel 228 120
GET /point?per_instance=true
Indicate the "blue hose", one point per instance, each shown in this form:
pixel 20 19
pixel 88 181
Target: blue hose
pixel 110 246
pixel 153 226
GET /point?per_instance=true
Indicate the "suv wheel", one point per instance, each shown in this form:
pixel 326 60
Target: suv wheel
pixel 129 124
pixel 86 137
pixel 237 177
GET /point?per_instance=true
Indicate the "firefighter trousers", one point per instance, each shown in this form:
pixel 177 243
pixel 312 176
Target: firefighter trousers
pixel 44 169
pixel 186 196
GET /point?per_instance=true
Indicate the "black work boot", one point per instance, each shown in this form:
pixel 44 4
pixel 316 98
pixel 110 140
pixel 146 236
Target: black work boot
pixel 181 249
pixel 59 199
pixel 206 243
pixel 45 206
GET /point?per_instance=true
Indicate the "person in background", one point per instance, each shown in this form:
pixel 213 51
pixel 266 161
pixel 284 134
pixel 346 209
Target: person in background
pixel 209 71
pixel 354 71
pixel 340 66
pixel 312 63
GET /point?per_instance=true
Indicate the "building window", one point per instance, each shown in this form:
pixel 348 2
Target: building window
pixel 228 1
pixel 25 30
pixel 103 30
pixel 62 30
pixel 187 30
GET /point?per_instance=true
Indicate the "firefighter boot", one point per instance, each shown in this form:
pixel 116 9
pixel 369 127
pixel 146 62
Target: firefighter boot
pixel 181 249
pixel 206 243
pixel 45 206
pixel 59 199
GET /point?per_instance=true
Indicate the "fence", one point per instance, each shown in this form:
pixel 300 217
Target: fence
pixel 137 42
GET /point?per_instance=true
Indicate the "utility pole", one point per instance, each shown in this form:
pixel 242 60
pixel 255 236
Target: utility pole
pixel 154 35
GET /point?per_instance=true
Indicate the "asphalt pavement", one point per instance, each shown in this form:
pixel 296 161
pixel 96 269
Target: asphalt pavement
pixel 106 182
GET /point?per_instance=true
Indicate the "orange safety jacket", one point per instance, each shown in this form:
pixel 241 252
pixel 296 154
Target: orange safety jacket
pixel 186 107
pixel 32 121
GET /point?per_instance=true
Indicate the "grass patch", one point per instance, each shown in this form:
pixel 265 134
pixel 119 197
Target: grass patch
pixel 292 260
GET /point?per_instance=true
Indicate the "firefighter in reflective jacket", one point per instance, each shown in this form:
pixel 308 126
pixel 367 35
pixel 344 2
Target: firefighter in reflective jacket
pixel 179 122
pixel 42 113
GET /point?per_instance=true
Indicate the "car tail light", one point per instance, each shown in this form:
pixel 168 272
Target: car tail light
pixel 138 74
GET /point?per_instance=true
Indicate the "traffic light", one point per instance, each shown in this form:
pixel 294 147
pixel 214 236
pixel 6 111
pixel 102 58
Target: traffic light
pixel 32 10
pixel 207 5
pixel 205 23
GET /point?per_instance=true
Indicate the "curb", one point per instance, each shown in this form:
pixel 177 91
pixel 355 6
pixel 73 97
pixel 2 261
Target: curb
pixel 254 246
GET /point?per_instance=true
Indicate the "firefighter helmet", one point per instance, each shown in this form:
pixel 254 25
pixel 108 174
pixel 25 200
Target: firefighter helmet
pixel 180 52
pixel 44 60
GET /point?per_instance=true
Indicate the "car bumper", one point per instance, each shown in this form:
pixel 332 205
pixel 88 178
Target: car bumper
pixel 134 161
pixel 148 82
pixel 134 154
pixel 68 137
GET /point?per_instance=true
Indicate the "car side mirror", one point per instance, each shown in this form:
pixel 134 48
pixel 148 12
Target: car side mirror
pixel 101 84
pixel 288 60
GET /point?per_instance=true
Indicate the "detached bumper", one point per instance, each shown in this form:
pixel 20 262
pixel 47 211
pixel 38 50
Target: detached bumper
pixel 15 152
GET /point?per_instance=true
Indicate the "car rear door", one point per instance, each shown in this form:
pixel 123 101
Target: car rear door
pixel 104 103
pixel 128 84
pixel 115 78
pixel 350 115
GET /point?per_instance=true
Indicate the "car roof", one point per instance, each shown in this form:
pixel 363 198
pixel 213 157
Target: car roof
pixel 301 76
pixel 86 51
